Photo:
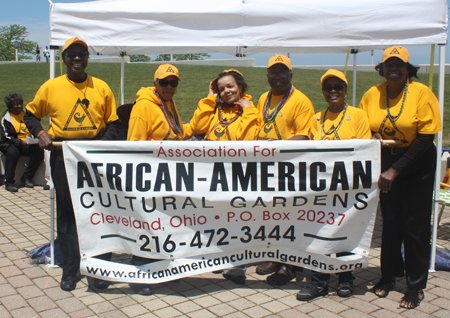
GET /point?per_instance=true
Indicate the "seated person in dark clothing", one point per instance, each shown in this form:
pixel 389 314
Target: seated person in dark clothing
pixel 14 143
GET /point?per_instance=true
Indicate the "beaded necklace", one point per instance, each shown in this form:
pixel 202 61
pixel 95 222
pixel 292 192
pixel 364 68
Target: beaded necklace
pixel 271 117
pixel 225 122
pixel 174 124
pixel 334 130
pixel 395 118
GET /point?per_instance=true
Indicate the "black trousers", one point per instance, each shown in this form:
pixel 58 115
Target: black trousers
pixel 65 218
pixel 12 156
pixel 406 211
pixel 66 226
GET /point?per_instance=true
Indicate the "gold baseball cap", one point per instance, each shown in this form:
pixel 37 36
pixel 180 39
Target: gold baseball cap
pixel 75 40
pixel 166 70
pixel 396 51
pixel 333 73
pixel 279 59
pixel 214 82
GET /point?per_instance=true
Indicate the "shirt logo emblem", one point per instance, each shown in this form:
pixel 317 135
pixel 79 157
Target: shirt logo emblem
pixel 79 118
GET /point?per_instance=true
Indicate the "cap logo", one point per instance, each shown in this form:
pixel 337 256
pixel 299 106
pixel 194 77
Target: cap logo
pixel 395 51
pixel 170 70
pixel 279 58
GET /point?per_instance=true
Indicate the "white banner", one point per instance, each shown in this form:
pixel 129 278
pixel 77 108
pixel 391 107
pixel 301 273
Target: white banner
pixel 203 206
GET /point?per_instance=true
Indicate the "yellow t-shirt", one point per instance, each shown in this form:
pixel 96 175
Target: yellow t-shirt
pixel 19 126
pixel 293 119
pixel 354 125
pixel 420 113
pixel 77 110
pixel 206 120
pixel 148 122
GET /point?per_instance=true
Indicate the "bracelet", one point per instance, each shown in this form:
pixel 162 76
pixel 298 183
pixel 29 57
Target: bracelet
pixel 39 134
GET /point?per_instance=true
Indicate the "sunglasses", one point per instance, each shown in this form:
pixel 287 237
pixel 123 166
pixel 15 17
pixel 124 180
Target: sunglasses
pixel 398 65
pixel 275 74
pixel 337 88
pixel 81 55
pixel 165 83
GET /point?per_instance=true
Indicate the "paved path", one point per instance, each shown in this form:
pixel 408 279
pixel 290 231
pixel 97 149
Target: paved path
pixel 33 291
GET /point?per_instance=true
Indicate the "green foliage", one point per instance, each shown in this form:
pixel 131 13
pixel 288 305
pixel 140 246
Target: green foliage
pixel 9 34
pixel 163 57
pixel 139 58
pixel 190 57
pixel 195 79
pixel 182 57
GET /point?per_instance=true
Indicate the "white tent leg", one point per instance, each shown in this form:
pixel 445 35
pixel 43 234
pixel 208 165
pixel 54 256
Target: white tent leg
pixel 438 162
pixel 52 62
pixel 52 190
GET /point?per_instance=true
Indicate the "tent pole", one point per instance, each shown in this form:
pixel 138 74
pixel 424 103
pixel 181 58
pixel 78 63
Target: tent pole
pixel 52 190
pixel 122 78
pixel 438 160
pixel 52 62
pixel 346 61
pixel 354 52
pixel 430 79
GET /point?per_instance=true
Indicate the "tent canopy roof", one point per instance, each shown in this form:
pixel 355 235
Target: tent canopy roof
pixel 204 26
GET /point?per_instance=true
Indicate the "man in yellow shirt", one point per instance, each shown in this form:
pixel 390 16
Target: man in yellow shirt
pixel 285 113
pixel 81 107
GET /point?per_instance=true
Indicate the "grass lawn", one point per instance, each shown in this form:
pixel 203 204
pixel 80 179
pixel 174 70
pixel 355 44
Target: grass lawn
pixel 27 77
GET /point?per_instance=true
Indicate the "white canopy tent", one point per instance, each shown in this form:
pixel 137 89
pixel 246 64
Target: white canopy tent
pixel 113 27
pixel 196 26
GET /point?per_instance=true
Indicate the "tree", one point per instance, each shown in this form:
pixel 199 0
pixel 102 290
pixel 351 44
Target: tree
pixel 182 57
pixel 163 57
pixel 139 58
pixel 11 33
pixel 190 57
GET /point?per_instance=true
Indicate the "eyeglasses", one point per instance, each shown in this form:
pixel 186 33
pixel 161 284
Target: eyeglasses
pixel 275 74
pixel 165 83
pixel 337 88
pixel 81 55
pixel 398 65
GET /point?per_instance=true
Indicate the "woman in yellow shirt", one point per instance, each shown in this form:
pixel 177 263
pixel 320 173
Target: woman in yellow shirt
pixel 14 143
pixel 227 113
pixel 407 111
pixel 338 122
pixel 155 115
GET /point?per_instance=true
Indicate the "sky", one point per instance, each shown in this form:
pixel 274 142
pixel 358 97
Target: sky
pixel 34 14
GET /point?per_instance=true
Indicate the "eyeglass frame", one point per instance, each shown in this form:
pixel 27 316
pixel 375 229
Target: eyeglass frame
pixel 171 82
pixel 337 87
pixel 81 55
